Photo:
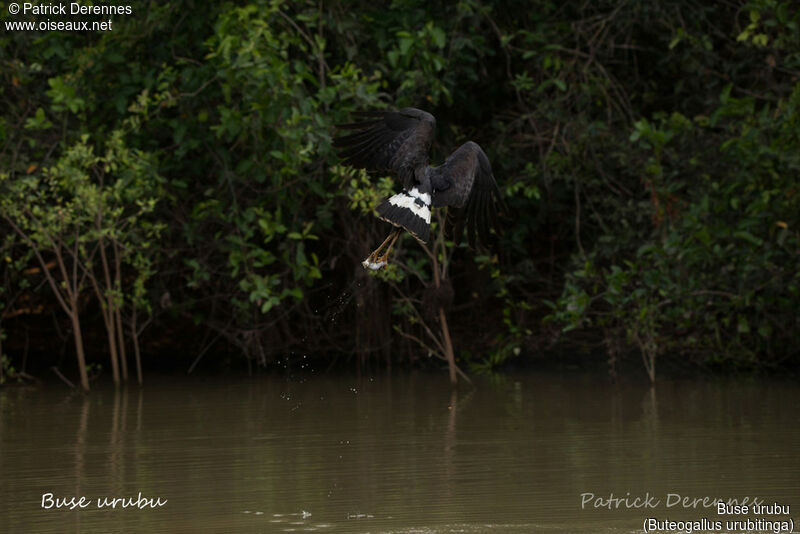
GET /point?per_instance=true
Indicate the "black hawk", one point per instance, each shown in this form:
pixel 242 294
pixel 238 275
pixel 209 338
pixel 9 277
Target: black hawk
pixel 397 143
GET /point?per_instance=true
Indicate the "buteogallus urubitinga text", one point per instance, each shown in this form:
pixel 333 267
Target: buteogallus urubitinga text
pixel 397 143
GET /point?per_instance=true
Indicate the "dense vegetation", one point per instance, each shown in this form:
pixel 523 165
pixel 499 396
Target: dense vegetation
pixel 169 188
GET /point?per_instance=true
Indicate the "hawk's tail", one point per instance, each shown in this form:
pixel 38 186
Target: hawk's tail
pixel 410 210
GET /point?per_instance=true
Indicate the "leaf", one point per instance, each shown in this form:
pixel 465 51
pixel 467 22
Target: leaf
pixel 747 236
pixel 676 39
pixel 761 40
pixel 439 37
pixel 742 326
pixel 405 45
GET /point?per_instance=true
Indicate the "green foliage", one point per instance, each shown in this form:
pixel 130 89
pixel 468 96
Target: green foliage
pixel 267 132
pixel 66 206
pixel 716 274
pixel 7 370
pixel 647 151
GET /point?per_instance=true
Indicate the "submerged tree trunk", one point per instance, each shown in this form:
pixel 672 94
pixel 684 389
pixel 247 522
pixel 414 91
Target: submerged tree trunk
pixel 71 286
pixel 446 341
pixel 118 314
pixel 136 354
pixel 121 344
pixel 448 346
pixel 107 308
pixel 76 332
pixel 1 356
pixel 108 318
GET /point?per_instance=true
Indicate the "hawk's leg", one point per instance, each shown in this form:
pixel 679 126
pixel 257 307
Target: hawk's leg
pixel 376 260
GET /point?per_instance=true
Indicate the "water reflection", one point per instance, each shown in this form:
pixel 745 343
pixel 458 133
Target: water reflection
pixel 400 454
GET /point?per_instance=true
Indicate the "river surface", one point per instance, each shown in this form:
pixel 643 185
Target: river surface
pixel 400 454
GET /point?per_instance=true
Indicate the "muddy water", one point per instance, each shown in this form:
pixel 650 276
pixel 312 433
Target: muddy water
pixel 526 453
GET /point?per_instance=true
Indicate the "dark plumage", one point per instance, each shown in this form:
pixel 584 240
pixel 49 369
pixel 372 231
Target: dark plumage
pixel 397 143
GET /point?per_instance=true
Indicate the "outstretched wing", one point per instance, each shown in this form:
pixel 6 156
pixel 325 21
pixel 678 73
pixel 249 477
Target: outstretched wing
pixel 466 184
pixel 389 141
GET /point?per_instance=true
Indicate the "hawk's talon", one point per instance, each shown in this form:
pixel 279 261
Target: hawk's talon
pixel 376 260
pixel 373 266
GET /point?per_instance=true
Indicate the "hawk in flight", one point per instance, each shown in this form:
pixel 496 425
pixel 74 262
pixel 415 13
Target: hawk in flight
pixel 397 143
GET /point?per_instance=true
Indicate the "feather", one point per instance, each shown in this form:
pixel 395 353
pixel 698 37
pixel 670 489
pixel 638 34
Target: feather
pixel 390 141
pixel 473 197
pixel 398 142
